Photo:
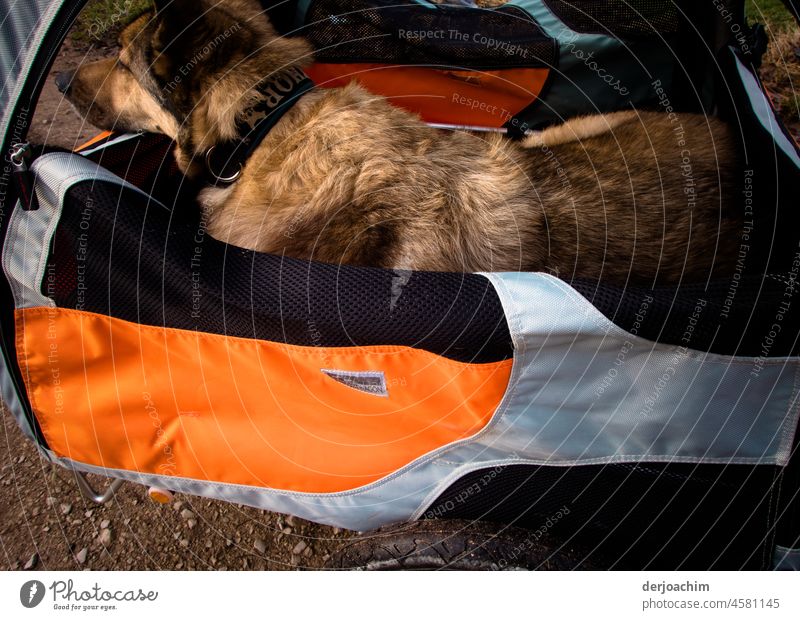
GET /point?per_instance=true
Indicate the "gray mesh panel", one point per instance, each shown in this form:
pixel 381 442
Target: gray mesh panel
pixel 23 24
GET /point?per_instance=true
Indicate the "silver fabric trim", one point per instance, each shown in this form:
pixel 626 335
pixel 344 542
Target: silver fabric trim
pixel 29 235
pixel 764 112
pixel 585 391
pixel 362 510
pixel 23 259
pixel 786 559
pixel 118 140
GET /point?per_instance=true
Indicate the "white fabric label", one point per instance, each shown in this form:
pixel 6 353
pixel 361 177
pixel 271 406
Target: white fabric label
pixel 369 381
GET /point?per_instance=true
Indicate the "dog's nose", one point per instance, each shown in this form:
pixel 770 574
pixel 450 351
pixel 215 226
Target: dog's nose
pixel 63 80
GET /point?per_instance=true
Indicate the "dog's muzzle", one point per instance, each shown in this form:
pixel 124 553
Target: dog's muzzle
pixel 64 80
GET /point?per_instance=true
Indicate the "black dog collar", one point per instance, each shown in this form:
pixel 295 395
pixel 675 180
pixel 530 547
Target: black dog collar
pixel 224 162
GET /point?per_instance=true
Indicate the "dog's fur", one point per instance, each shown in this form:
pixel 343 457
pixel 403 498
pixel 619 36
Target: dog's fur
pixel 347 177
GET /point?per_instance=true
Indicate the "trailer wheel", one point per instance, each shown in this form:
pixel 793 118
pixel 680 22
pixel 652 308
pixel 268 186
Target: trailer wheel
pixel 453 545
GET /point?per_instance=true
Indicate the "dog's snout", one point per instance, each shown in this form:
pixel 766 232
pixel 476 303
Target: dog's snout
pixel 63 80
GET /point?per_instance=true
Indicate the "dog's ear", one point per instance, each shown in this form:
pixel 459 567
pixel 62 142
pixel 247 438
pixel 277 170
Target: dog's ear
pixel 190 32
pixel 194 23
pixel 224 46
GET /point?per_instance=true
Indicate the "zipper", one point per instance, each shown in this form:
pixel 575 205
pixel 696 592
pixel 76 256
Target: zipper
pixel 23 178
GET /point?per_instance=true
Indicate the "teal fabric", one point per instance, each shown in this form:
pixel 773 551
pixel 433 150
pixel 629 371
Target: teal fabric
pixel 578 86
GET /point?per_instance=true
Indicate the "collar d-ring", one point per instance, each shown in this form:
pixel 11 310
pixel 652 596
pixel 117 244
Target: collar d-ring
pixel 220 178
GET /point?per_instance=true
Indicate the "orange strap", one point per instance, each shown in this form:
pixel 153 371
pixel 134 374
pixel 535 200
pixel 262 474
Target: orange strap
pixel 473 98
pixel 116 394
pixel 101 136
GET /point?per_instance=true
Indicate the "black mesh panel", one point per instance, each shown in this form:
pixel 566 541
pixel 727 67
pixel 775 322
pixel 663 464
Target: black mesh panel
pixel 145 161
pixel 730 317
pixel 654 516
pixel 624 19
pixel 405 32
pixel 158 267
pixel 115 254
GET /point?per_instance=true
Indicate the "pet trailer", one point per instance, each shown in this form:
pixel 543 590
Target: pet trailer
pixel 480 413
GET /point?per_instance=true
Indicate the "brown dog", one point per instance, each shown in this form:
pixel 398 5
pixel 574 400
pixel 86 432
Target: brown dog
pixel 346 177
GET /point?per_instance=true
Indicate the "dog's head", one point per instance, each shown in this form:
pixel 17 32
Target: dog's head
pixel 185 69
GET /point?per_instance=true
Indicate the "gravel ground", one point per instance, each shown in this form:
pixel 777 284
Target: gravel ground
pixel 46 524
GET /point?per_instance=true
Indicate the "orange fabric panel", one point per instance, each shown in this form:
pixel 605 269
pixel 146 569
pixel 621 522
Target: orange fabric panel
pixel 167 401
pixel 474 98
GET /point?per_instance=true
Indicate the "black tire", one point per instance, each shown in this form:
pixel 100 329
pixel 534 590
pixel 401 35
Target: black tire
pixel 453 545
